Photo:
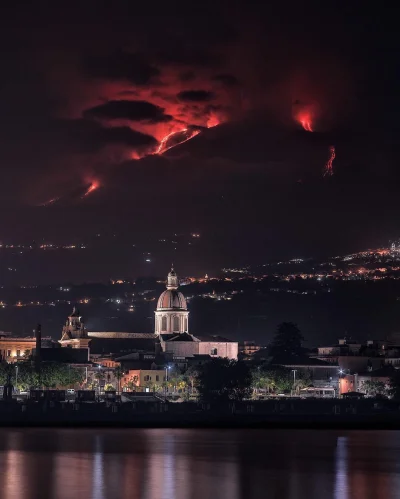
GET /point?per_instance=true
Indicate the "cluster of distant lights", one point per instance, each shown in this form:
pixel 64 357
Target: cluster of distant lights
pixel 83 301
pixel 20 303
pixel 73 246
pixel 44 246
pixel 360 272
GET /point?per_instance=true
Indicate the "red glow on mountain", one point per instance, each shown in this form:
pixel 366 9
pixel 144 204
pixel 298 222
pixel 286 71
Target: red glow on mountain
pixel 305 120
pixel 212 121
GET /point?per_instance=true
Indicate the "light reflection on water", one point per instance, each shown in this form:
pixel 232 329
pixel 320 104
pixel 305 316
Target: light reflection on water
pixel 341 490
pixel 198 464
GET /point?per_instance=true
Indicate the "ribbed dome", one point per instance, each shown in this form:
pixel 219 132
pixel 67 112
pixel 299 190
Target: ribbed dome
pixel 171 299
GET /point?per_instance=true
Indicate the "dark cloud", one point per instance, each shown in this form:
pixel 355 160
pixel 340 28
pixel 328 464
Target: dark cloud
pixel 129 110
pixel 226 79
pixel 187 76
pixel 121 65
pixel 180 55
pixel 195 96
pixel 84 136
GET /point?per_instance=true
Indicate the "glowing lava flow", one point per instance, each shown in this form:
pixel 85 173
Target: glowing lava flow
pixel 306 125
pixel 212 121
pixel 306 122
pixel 50 202
pixel 93 186
pixel 328 170
pixel 186 133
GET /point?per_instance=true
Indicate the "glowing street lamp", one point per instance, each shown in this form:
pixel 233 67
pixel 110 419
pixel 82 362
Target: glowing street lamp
pixel 167 368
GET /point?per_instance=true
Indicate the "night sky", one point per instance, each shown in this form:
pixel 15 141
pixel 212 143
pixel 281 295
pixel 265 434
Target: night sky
pixel 89 91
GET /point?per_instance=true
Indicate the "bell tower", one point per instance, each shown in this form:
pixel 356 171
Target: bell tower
pixel 74 333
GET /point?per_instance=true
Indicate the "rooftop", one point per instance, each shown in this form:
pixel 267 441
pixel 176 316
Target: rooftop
pixel 303 361
pixel 120 335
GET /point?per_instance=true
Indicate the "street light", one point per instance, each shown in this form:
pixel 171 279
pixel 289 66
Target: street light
pixel 294 378
pixel 16 377
pixel 166 379
pixel 99 380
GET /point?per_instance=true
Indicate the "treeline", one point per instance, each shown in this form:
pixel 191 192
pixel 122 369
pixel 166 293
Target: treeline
pixel 26 375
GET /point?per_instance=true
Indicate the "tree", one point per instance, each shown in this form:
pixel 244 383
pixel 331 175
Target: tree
pixel 5 372
pixel 192 374
pixel 287 341
pixel 109 388
pixel 278 379
pixel 394 385
pixel 118 373
pixel 99 375
pixel 221 380
pixel 130 386
pixel 374 388
pixel 25 376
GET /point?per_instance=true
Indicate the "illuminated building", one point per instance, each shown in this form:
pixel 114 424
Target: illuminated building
pixel 172 328
pixel 74 333
pixel 172 314
pixel 13 349
pixel 144 378
pixel 171 336
pixel 248 348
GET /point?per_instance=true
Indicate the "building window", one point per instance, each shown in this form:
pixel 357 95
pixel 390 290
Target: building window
pixel 8 353
pixel 164 323
pixel 214 351
pixel 157 378
pixel 18 353
pixel 176 323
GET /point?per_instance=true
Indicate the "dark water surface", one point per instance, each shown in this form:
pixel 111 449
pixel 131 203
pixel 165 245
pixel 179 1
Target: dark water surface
pixel 199 464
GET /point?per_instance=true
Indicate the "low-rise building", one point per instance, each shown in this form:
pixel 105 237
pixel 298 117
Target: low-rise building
pixel 142 379
pixel 355 382
pixel 13 349
pixel 248 348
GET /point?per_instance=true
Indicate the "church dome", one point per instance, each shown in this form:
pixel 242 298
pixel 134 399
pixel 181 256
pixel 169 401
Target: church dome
pixel 171 299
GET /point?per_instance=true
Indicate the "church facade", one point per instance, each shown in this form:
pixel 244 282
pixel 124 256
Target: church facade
pixel 74 333
pixel 172 328
pixel 171 332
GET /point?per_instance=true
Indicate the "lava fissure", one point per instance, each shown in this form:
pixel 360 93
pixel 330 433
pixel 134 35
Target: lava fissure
pixel 328 170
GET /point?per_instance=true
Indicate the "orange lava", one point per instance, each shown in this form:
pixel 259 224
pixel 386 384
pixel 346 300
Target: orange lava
pixel 212 121
pixel 163 147
pixel 328 170
pixel 93 186
pixel 49 202
pixel 305 120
